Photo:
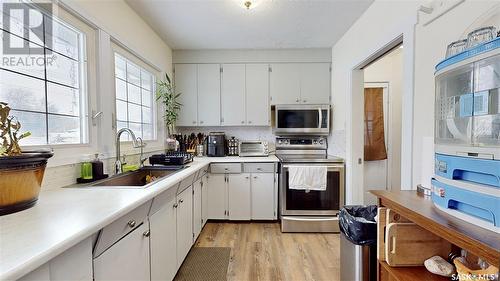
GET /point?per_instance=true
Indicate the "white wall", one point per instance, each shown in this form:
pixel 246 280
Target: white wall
pixel 113 21
pixel 382 22
pixel 388 69
pixel 425 45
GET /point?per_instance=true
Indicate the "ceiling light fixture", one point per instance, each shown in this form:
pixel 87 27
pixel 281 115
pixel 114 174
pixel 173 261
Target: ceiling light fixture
pixel 247 4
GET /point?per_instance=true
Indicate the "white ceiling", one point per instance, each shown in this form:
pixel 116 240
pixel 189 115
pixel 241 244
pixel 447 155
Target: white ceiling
pixel 225 24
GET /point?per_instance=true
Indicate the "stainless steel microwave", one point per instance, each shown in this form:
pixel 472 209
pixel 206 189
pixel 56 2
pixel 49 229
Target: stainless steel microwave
pixel 302 119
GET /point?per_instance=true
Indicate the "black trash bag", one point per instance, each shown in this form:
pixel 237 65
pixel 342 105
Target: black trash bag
pixel 358 225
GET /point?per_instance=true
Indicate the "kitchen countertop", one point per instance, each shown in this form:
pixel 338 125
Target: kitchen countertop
pixel 65 216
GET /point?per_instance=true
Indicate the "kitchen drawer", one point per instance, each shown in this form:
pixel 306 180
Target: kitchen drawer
pixel 163 198
pixel 259 167
pixel 225 168
pixel 119 228
pixel 187 182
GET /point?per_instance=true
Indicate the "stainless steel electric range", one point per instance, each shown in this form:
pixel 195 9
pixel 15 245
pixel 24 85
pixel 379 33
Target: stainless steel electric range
pixel 309 211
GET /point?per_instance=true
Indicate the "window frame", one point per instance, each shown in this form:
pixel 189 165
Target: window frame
pixel 65 154
pixel 155 73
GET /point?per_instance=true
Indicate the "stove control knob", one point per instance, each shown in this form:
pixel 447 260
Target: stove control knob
pixel 280 141
pixel 321 141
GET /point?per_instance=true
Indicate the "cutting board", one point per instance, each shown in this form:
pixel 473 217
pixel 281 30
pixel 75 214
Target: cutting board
pixel 407 244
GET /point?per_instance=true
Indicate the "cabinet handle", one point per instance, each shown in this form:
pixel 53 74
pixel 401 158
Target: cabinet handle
pixel 297 100
pixel 176 205
pixel 146 233
pixel 131 223
pixel 242 122
pixel 247 177
pixel 194 122
pixel 201 122
pixel 259 169
pixel 249 122
pixel 304 100
pixel 181 201
pixel 255 177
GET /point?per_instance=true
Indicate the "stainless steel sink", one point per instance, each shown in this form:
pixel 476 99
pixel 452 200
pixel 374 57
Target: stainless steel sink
pixel 139 178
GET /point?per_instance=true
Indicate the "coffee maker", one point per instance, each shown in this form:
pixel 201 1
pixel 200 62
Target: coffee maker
pixel 216 144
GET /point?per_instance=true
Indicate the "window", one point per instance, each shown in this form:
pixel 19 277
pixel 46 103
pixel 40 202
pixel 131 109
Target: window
pixel 46 85
pixel 134 88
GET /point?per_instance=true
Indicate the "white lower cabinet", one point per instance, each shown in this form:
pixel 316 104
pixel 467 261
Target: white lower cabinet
pixel 127 259
pixel 197 211
pixel 204 199
pixel 239 197
pixel 184 224
pixel 163 239
pixel 264 196
pixel 73 264
pixel 217 196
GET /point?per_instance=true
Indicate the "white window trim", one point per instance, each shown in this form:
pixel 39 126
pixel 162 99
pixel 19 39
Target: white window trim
pixel 157 143
pixel 72 153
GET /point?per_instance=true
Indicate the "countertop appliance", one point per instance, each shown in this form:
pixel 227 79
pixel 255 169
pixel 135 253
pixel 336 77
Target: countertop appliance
pixel 466 180
pixel 309 211
pixel 175 158
pixel 216 144
pixel 232 146
pixel 253 148
pixel 302 120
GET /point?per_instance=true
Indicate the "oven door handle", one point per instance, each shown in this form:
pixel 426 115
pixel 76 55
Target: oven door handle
pixel 319 118
pixel 328 166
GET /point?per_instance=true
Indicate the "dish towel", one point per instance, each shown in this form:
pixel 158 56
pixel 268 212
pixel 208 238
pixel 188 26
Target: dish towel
pixel 307 178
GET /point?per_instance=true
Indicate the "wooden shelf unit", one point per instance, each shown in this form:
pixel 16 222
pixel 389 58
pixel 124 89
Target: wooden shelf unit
pixel 421 211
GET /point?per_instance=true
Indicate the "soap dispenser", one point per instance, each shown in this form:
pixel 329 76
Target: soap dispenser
pixel 97 167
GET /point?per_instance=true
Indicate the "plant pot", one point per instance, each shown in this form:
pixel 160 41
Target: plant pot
pixel 20 180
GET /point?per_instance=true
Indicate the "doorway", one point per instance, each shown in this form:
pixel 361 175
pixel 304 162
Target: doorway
pixel 383 82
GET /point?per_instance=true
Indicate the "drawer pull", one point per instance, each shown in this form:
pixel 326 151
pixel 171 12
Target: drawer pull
pixel 176 205
pixel 181 201
pixel 146 233
pixel 131 223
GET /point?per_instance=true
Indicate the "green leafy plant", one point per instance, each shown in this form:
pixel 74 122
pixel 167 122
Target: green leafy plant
pixel 165 91
pixel 9 129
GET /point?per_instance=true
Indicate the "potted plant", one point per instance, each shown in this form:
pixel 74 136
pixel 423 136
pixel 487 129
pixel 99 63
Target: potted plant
pixel 21 172
pixel 165 91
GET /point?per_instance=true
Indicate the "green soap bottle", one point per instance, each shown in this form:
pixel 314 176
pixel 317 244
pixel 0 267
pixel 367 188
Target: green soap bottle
pixel 86 170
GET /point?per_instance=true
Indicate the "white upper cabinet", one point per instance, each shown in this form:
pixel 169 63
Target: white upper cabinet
pixel 186 84
pixel 233 95
pixel 285 83
pixel 300 83
pixel 208 94
pixel 315 83
pixel 257 95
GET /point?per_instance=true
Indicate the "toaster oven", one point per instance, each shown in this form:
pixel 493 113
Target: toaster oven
pixel 253 148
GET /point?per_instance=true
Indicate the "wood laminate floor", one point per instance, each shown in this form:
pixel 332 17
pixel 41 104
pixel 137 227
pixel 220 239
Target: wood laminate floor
pixel 259 251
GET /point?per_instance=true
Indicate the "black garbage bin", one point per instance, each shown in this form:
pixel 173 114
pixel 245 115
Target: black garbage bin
pixel 358 243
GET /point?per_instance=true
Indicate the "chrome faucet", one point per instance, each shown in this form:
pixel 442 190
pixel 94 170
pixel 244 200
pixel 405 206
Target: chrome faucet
pixel 141 158
pixel 135 142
